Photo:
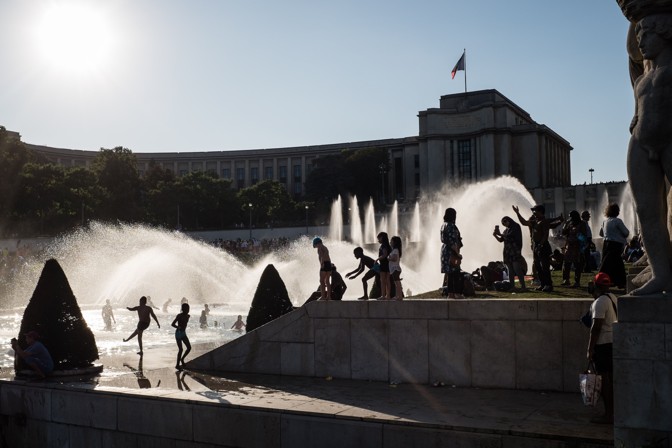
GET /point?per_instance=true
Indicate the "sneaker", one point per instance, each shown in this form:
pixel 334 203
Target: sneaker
pixel 363 298
pixel 539 288
pixel 564 283
pixel 547 288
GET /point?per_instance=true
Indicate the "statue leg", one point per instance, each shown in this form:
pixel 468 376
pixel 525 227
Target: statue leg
pixel 647 181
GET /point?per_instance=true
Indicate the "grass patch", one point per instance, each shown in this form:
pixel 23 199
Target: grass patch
pixel 558 291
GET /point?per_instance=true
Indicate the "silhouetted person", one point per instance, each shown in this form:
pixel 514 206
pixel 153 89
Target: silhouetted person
pixel 451 259
pixel 203 320
pixel 180 325
pixel 364 262
pixel 325 269
pixel 238 325
pixel 144 314
pixel 165 305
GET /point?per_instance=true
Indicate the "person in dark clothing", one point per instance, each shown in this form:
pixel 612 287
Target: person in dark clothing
pixel 615 236
pixel 383 252
pixel 575 231
pixel 451 259
pixel 541 248
pixel 512 237
pixel 589 264
pixel 364 262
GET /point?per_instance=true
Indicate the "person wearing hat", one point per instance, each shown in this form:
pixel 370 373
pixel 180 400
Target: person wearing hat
pixel 604 313
pixel 540 227
pixel 325 269
pixel 35 355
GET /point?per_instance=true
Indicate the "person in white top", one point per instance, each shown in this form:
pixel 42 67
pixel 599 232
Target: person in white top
pixel 600 343
pixel 395 266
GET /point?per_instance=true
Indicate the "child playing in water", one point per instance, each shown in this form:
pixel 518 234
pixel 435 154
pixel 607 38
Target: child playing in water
pixel 180 325
pixel 144 313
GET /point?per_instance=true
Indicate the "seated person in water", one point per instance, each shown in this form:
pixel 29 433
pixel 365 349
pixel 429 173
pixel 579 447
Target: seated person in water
pixel 238 325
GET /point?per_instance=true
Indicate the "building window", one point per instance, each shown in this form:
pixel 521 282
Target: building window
pixel 297 188
pixel 240 177
pixel 268 173
pixel 416 161
pixel 283 174
pixel 297 173
pixel 226 173
pixel 183 172
pixel 464 159
pixel 254 175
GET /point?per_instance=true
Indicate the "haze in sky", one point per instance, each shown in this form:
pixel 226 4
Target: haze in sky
pixel 206 75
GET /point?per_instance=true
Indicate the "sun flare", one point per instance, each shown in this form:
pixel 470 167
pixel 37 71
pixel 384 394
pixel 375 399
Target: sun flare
pixel 75 38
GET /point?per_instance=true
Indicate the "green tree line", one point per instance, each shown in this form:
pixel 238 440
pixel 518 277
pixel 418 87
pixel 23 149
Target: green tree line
pixel 41 198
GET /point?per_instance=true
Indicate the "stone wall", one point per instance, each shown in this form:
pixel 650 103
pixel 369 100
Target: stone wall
pixel 511 344
pixel 643 372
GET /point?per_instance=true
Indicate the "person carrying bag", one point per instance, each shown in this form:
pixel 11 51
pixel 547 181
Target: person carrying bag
pixel 600 343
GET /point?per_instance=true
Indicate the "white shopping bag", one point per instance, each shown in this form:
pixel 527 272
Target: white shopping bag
pixel 590 384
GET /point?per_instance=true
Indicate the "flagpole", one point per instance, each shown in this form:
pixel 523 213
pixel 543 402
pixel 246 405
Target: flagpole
pixel 465 70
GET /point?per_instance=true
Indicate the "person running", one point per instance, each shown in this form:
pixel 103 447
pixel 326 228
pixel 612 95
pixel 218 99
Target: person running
pixel 108 315
pixel 144 314
pixel 325 269
pixel 364 262
pixel 180 325
pixel 395 266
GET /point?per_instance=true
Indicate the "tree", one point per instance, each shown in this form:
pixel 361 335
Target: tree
pixel 328 178
pixel 54 313
pixel 204 200
pixel 364 167
pixel 270 299
pixel 13 156
pixel 270 202
pixel 118 177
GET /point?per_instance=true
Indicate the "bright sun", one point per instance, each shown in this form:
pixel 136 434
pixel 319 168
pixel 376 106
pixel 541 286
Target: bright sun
pixel 75 38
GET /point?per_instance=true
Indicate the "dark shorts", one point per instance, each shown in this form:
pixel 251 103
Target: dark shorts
pixel 143 325
pixel 369 274
pixel 326 266
pixel 180 335
pixel 603 358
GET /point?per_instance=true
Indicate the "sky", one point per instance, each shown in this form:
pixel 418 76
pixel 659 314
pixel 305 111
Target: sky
pixel 211 75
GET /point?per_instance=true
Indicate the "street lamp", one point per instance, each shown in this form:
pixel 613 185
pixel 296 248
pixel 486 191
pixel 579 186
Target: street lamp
pixel 383 170
pixel 591 175
pixel 306 220
pixel 250 207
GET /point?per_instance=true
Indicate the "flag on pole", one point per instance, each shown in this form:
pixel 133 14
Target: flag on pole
pixel 459 66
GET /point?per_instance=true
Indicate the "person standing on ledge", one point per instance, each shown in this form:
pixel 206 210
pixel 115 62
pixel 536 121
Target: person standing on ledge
pixel 325 269
pixel 144 314
pixel 451 259
pixel 650 150
pixel 541 248
pixel 604 313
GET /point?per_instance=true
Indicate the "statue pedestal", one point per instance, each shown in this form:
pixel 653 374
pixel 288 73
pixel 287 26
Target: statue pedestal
pixel 643 371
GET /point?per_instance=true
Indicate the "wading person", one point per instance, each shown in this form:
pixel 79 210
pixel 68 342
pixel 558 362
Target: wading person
pixel 180 325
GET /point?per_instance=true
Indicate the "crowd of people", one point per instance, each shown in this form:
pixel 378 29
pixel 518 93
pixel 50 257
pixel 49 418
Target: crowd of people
pixel 576 255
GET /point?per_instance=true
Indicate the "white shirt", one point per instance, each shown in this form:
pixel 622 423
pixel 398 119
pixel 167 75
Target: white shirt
pixel 602 308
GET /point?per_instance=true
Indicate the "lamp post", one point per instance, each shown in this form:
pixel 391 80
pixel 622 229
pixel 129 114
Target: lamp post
pixel 250 207
pixel 591 175
pixel 383 170
pixel 306 220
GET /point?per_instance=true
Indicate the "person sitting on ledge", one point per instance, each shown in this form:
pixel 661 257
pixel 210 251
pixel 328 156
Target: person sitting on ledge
pixel 35 355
